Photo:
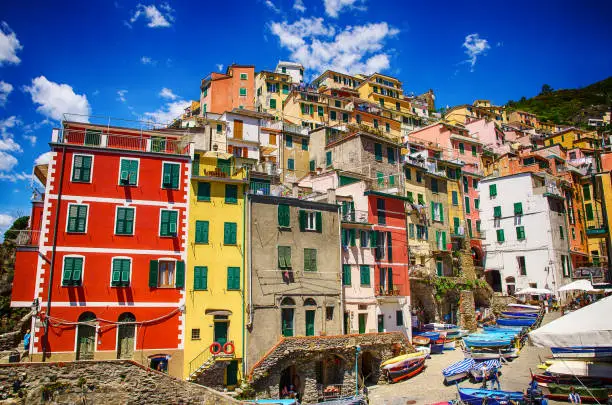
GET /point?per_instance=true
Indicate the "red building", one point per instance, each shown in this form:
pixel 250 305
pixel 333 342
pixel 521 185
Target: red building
pixel 388 214
pixel 104 259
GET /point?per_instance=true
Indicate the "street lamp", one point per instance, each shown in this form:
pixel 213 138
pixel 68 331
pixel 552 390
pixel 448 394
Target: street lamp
pixel 357 351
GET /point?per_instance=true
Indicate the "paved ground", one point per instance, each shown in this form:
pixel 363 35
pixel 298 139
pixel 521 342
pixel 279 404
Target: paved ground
pixel 427 387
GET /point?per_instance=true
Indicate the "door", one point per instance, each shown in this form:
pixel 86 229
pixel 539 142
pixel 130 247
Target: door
pixel 382 280
pixel 381 323
pixel 231 373
pixel 125 336
pixel 86 337
pixel 238 129
pixel 347 323
pixel 221 332
pixel 310 323
pixel 390 280
pixel 287 321
pixel 362 322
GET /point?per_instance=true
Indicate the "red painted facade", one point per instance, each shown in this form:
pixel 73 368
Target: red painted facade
pixel 156 309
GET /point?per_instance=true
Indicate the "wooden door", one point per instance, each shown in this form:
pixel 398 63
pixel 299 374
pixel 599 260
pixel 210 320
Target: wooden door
pixel 221 332
pixel 231 373
pixel 310 323
pixel 362 322
pixel 126 335
pixel 86 337
pixel 238 125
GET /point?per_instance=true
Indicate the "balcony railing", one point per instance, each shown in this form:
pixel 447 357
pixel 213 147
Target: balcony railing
pixel 388 291
pixel 259 188
pixel 294 129
pixel 355 216
pixel 141 143
pixel 27 237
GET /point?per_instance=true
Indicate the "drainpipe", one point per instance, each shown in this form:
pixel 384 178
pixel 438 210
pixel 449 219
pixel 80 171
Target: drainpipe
pixel 53 250
pixel 342 304
pixel 244 277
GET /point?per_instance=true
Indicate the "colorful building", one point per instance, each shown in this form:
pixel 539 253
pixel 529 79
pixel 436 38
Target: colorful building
pixel 222 92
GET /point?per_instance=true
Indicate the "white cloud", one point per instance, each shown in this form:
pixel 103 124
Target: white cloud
pixel 167 113
pixel 319 46
pixel 299 6
pixel 167 93
pixel 9 45
pixel 334 7
pixel 7 162
pixel 154 16
pixel 31 138
pixel 121 95
pixel 56 99
pixel 271 6
pixel 7 140
pixel 5 90
pixel 145 60
pixel 43 159
pixel 14 177
pixel 474 47
pixel 6 220
pixel 220 66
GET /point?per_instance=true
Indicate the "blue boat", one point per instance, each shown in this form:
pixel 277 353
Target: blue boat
pixel 458 371
pixel 511 314
pixel 430 335
pixel 492 329
pixel 596 352
pixel 488 397
pixel 516 322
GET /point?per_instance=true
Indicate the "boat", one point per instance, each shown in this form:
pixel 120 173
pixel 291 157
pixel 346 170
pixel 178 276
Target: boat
pixel 420 340
pixel 516 321
pixel 571 379
pixel 488 397
pixel 424 349
pixel 437 347
pixel 597 352
pixel 430 335
pixel 580 369
pixel 408 356
pixel 458 371
pixel 487 354
pixel 493 341
pixel 492 329
pixel 450 344
pixel 512 314
pixel 524 307
pixel 485 367
pixel 440 326
pixel 399 374
pixel 351 400
pixel 561 391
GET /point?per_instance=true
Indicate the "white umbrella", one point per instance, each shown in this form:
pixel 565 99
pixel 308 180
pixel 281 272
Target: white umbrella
pixel 582 285
pixel 588 326
pixel 533 291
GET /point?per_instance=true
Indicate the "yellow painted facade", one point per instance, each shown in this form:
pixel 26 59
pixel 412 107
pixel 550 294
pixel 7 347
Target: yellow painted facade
pixel 420 249
pixel 214 304
pixel 386 92
pixel 295 156
pixel 271 91
pixel 306 108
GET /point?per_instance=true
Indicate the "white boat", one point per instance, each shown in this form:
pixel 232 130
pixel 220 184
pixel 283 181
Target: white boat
pixel 489 355
pixel 458 371
pixel 450 345
pixel 524 306
pixel 581 368
pixel 424 349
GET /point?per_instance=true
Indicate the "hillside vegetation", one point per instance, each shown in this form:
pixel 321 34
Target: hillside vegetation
pixel 568 106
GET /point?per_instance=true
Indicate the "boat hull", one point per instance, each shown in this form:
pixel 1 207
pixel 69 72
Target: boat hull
pixel 593 352
pixel 401 359
pixel 489 355
pixel 477 396
pixel 420 340
pixel 516 322
pixel 407 372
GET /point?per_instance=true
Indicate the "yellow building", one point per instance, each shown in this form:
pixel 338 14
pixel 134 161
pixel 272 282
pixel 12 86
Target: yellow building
pixel 462 114
pixel 456 215
pixel 386 91
pixel 417 216
pixel 571 138
pixel 214 284
pixel 307 108
pixel 271 90
pixel 336 80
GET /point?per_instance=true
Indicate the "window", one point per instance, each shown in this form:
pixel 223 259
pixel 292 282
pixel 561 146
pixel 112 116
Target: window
pixel 437 212
pixel 332 115
pixel 284 257
pixel 77 218
pixel 461 148
pixel 243 92
pixel 364 276
pixel 420 199
pixel 195 334
pixel 455 198
pixel 465 185
pixel 399 318
pixel 391 155
pixel 201 232
pixel 497 212
pixel 358 118
pixel 310 220
pixel 311 165
pixel 304 144
pixel 588 210
pixel 434 185
pixel 200 278
pixel 408 174
pixel 387 127
pixel 328 158
pixel 168 223
pixel 378 156
pixel 171 174
pixel 219 128
pixel 586 192
pixel 409 196
pixel 203 191
pixel 473 150
pixel 229 233
pixel 520 233
pixel 128 172
pixel 310 259
pixel 478 226
pixel 233 278
pixel 124 221
pixel 329 313
pixel 166 273
pixel 290 164
pixel 474 184
pixel 500 235
pixel 72 274
pixel 120 274
pixel 419 177
pixel 439 268
pixel 346 274
pixel 283 216
pixel 320 111
pixel 273 103
pixel 81 168
pixel 476 203
pixel 565 266
pixel 231 194
pixel 561 232
pixel 364 239
pixel 521 265
pixel 518 208
pixel 243 76
pixel 467 205
pixel 411 231
pixel 469 227
pixel 375 123
pixel 380 211
pixel 492 190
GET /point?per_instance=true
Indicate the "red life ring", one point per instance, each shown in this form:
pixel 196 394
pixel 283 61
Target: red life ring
pixel 215 348
pixel 228 348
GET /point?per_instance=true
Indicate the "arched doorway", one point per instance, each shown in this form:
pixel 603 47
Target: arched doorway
pixel 86 336
pixel 494 279
pixel 476 256
pixel 368 370
pixel 287 316
pixel 126 335
pixel 310 306
pixel 289 385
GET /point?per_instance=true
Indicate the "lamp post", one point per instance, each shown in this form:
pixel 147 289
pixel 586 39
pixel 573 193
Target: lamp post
pixel 357 350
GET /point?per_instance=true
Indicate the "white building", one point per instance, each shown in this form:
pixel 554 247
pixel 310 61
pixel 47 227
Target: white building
pixel 293 69
pixel 525 226
pixel 242 130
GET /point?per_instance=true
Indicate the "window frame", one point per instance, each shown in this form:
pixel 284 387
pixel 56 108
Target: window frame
pixel 235 243
pixel 72 256
pixel 205 288
pixel 128 184
pixel 362 269
pixel 111 271
pixel 237 278
pixel 310 254
pixel 240 91
pixel 311 215
pixel 230 186
pixel 68 218
pixel 198 191
pixel 117 208
pixel 166 260
pixel 244 76
pixel 170 235
pixel 195 231
pixel 91 169
pixel 178 186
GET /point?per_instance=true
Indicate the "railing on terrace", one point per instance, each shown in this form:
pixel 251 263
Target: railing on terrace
pixel 102 139
pixel 218 171
pixel 388 182
pixel 27 237
pixel 355 216
pixel 596 225
pixel 388 290
pixel 259 188
pixel 295 129
pixel 205 356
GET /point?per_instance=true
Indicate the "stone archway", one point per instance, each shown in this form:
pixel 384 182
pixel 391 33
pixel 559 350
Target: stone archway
pixel 369 368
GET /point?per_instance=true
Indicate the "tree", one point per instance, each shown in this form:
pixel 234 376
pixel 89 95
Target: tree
pixel 20 224
pixel 546 89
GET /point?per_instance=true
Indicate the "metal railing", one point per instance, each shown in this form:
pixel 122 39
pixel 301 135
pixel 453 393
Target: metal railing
pixel 27 237
pixel 259 188
pixel 355 216
pixel 217 171
pixel 295 129
pixel 204 356
pixel 388 291
pixel 142 143
pixel 387 182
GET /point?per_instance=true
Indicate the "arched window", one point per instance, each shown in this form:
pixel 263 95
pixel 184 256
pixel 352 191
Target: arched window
pixel 287 315
pixel 126 335
pixel 86 336
pixel 310 302
pixel 310 314
pixel 286 302
pixel 510 279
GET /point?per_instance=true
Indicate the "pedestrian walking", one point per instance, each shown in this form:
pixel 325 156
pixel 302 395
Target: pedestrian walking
pixel 574 397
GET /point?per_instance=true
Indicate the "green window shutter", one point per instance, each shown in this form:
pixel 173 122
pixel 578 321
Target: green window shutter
pixel 81 168
pixel 328 158
pixel 441 212
pixel 229 233
pixel 500 235
pixel 411 231
pixel 319 221
pixel 86 171
pixel 153 273
pixel 124 224
pixel 588 208
pixel 67 273
pixel 478 226
pixel 373 238
pixel 410 196
pixel 272 103
pixel 476 203
pixel 77 270
pixel 352 237
pixel 311 109
pixel 465 185
pixel 171 175
pixel 363 238
pixel 461 148
pixel 320 111
pixel 433 211
pixel 332 115
pixel 231 194
pixel 456 225
pixel 520 232
pixel 203 279
pixel 390 155
pixel 378 152
pixel 310 259
pixel 455 198
pixel 473 150
pixel 233 278
pixel 420 199
pixel 125 272
pixel 291 164
pixel 469 226
pixel 408 173
pixel 364 275
pixel 497 212
pixel 561 233
pixel 203 191
pixel 284 257
pixel 201 233
pixel 312 165
pixel 164 228
pixel 518 208
pixel 586 192
pixel 124 171
pixel 492 190
pixel 284 219
pixel 197 274
pixel 116 273
pixel 304 144
pixel 303 108
pixel 289 141
pixel 302 218
pixel 82 218
pixel 180 274
pixel 443 240
pixel 346 274
pixel 467 205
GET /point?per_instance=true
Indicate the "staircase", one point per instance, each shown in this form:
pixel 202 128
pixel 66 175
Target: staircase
pixel 204 362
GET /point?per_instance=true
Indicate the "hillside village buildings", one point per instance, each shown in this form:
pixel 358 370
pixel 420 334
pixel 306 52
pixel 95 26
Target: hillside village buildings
pixel 275 213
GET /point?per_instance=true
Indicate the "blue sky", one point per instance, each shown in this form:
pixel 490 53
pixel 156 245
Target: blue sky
pixel 116 58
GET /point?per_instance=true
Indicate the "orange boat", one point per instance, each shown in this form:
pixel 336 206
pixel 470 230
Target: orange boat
pixel 420 341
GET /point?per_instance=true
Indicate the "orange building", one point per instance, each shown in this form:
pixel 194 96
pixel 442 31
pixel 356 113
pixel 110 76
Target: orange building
pixel 224 92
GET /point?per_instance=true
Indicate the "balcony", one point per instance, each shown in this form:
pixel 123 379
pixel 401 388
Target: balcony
pixel 27 237
pixel 222 172
pixel 103 139
pixel 294 129
pixel 596 227
pixel 355 216
pixel 259 188
pixel 388 290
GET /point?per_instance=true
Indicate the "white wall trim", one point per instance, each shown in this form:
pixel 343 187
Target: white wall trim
pixel 155 203
pixel 112 304
pixel 77 249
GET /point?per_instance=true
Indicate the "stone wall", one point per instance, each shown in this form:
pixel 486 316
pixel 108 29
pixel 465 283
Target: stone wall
pixel 423 300
pixel 500 302
pixel 100 382
pixel 467 313
pixel 468 271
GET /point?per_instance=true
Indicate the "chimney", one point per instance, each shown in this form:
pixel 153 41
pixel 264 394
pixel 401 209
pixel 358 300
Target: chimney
pixel 331 195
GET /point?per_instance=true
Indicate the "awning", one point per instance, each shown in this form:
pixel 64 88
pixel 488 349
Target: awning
pixel 581 285
pixel 533 291
pixel 223 312
pixel 219 155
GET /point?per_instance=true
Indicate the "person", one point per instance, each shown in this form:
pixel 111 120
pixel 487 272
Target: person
pixel 574 397
pixel 284 392
pixel 26 341
pixel 494 379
